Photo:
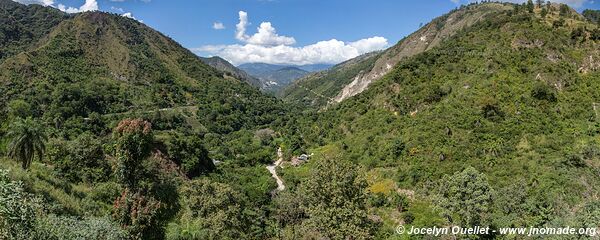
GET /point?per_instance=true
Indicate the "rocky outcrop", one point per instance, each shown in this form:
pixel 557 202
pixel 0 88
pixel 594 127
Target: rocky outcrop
pixel 429 36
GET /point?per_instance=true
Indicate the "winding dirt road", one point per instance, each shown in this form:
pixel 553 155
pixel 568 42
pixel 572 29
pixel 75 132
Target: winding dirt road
pixel 273 171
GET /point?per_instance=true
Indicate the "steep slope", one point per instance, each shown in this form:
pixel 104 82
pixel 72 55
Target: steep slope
pixel 318 89
pixel 514 96
pixel 341 85
pixel 22 26
pixel 230 70
pixel 103 63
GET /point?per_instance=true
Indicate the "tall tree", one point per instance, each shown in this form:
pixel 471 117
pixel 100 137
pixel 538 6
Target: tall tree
pixel 27 139
pixel 530 6
pixel 335 201
pixel 133 144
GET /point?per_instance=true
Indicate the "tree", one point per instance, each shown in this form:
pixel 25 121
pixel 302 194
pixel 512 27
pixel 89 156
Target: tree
pixel 190 154
pixel 211 210
pixel 466 196
pixel 334 197
pixel 565 11
pixel 530 6
pixel 544 12
pixel 27 139
pixel 539 3
pixel 133 143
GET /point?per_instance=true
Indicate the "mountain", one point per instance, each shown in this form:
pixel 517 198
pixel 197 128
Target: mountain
pixel 21 26
pixel 276 77
pixel 230 70
pixel 102 63
pixel 507 105
pixel 354 76
pixel 114 102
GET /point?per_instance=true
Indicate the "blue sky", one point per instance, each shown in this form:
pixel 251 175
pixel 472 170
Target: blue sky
pixel 300 31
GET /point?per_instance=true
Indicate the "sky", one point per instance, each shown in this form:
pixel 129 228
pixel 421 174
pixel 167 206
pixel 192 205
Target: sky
pixel 293 32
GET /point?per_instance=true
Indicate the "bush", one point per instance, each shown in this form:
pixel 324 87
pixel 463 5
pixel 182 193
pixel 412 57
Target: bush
pixel 54 227
pixel 543 92
pixel 191 156
pixel 79 160
pixel 18 209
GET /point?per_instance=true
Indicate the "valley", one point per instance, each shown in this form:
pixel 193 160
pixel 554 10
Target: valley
pixel 484 117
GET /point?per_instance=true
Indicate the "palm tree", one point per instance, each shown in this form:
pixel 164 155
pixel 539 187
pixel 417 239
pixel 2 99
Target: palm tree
pixel 27 138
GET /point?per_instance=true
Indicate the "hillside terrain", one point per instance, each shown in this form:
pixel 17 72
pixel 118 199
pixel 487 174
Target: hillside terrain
pixel 85 82
pixel 487 116
pixel 354 76
pixel 509 102
pixel 228 69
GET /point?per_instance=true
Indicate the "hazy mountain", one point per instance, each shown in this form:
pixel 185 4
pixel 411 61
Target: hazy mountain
pixel 276 77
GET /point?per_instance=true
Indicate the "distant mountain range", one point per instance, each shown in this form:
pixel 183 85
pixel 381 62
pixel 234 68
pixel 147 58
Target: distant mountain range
pixel 229 70
pixel 276 77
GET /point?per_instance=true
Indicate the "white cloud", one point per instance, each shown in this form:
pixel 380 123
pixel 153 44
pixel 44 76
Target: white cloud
pixel 331 51
pixel 265 36
pixel 128 15
pixel 117 9
pixel 40 2
pixel 89 5
pixel 267 46
pixel 218 26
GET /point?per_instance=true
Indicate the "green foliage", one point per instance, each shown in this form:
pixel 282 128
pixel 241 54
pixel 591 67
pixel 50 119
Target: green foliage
pixel 466 196
pixel 543 92
pixel 18 209
pixel 189 153
pixel 27 139
pixel 592 15
pixel 211 211
pixel 334 198
pixel 564 10
pixel 138 215
pixel 530 6
pixel 133 139
pixel 54 227
pixel 19 109
pixel 82 159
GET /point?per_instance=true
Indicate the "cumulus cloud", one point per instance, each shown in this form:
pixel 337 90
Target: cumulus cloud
pixel 572 3
pixel 89 5
pixel 265 36
pixel 268 47
pixel 218 26
pixel 40 2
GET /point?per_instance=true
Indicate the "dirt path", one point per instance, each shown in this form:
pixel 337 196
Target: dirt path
pixel 273 171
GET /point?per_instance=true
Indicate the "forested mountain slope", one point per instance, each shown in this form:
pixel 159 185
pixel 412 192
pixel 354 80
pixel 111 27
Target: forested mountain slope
pixel 129 120
pixel 514 96
pixel 227 68
pixel 22 26
pixel 102 63
pixel 353 77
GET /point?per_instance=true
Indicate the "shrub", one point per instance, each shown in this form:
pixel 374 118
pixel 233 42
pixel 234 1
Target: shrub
pixel 191 156
pixel 54 227
pixel 82 159
pixel 18 209
pixel 543 92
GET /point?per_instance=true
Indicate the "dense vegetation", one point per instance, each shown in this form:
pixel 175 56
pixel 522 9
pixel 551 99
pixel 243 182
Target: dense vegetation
pixel 510 102
pixel 114 131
